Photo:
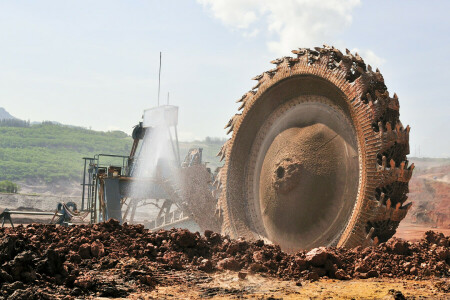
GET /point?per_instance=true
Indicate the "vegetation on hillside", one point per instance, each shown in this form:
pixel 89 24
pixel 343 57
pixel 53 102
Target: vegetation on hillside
pixel 7 186
pixel 14 123
pixel 50 151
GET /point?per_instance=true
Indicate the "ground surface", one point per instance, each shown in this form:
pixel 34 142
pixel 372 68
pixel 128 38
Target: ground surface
pixel 228 285
pixel 108 260
pixel 414 232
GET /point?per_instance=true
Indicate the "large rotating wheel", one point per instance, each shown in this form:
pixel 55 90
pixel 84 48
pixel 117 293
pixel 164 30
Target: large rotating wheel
pixel 317 156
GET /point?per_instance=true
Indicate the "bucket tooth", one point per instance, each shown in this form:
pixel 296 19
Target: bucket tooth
pixel 393 103
pixel 369 99
pixel 382 198
pixel 392 164
pixel 376 241
pixel 231 123
pixel 241 99
pixel 388 212
pixel 241 107
pixel 223 150
pixel 383 164
pixel 258 77
pixel 394 174
pixel 278 61
pixel 368 241
pixel 246 96
pixel 388 204
pixel 300 51
pixel 390 138
pixel 388 126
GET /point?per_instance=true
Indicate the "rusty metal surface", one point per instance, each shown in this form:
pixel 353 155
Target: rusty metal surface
pixel 361 198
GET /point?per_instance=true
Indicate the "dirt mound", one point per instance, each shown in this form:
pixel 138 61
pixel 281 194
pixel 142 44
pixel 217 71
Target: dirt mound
pixel 41 261
pixel 430 193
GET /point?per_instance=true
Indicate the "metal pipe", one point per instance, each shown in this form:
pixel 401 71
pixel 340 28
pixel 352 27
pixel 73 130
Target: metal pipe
pixel 159 78
pixel 173 147
pixel 91 185
pixel 84 184
pixel 178 145
pixel 94 202
pixel 34 213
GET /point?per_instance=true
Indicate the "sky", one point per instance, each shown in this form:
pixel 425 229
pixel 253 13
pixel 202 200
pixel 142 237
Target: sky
pixel 95 63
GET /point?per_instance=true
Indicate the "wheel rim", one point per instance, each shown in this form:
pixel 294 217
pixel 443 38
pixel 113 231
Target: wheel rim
pixel 358 93
pixel 306 174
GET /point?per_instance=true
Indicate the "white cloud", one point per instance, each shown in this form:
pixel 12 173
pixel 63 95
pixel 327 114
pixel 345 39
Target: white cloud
pixel 251 34
pixel 234 13
pixel 287 23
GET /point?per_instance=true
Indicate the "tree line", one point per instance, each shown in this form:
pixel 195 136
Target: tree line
pixel 7 186
pixel 14 123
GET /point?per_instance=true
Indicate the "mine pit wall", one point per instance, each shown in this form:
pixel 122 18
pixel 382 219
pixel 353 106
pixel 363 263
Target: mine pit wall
pixel 37 202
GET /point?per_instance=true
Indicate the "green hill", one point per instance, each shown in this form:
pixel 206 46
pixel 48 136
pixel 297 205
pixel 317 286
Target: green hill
pixel 51 151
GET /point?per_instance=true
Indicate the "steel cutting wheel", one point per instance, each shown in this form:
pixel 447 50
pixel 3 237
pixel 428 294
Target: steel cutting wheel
pixel 317 156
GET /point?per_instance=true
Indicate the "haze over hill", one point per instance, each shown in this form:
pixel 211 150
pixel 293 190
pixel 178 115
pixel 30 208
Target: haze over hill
pixel 4 115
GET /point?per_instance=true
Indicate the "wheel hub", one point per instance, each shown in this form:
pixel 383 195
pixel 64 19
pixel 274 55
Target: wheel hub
pixel 308 176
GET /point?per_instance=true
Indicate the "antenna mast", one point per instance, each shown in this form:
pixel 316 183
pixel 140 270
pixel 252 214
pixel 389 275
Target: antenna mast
pixel 159 78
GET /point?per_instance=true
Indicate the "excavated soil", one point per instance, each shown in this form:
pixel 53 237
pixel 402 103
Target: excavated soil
pixel 110 260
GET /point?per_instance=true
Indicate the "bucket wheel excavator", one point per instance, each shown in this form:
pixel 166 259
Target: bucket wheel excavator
pixel 317 155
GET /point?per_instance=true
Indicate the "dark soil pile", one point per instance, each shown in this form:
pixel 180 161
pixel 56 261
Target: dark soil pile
pixel 44 261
